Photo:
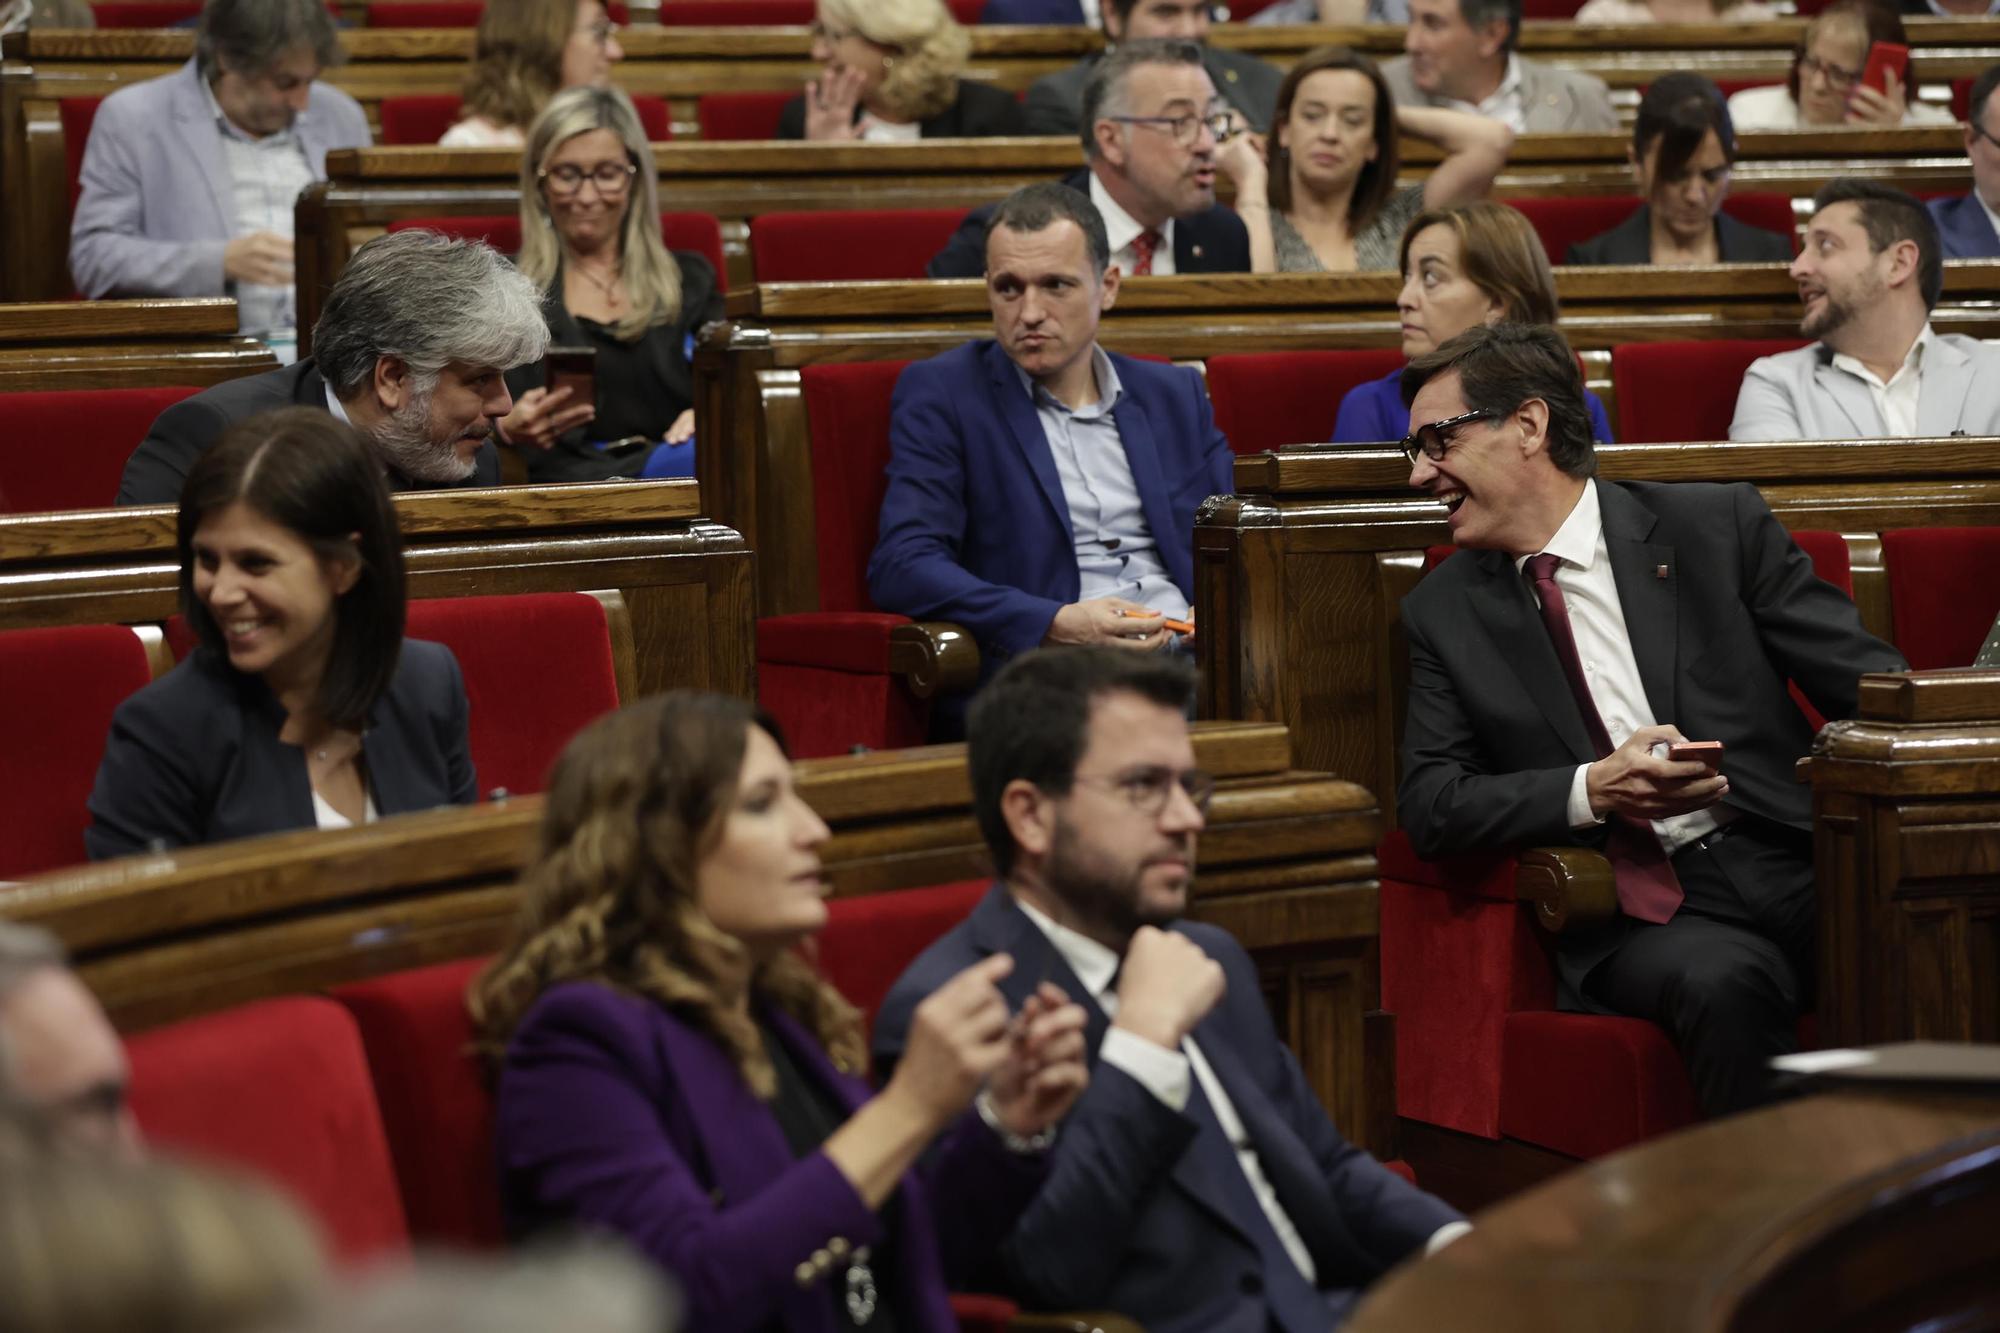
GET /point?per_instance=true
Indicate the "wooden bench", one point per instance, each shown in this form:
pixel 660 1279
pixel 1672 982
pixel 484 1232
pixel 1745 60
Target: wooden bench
pixel 1287 866
pixel 124 344
pixel 686 581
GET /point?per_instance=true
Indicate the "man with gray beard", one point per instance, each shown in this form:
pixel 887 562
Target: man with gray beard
pixel 410 350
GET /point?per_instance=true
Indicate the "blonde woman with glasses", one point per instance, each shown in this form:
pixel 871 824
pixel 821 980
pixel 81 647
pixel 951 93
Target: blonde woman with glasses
pixel 889 72
pixel 525 52
pixel 590 237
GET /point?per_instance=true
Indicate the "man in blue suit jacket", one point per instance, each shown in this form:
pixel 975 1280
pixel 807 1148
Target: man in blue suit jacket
pixel 1197 1186
pixel 1041 489
pixel 1965 223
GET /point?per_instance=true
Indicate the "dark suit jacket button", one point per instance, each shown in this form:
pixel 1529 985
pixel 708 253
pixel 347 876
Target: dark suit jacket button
pixel 1251 1284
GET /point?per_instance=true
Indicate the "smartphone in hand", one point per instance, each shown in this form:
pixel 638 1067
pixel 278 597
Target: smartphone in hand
pixel 1884 58
pixel 572 368
pixel 1695 752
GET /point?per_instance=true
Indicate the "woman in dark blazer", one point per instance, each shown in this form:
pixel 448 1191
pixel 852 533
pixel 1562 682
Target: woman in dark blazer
pixel 889 72
pixel 671 1069
pixel 1683 147
pixel 590 235
pixel 303 706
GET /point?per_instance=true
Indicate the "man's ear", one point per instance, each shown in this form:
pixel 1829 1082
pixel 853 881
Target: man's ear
pixel 1110 139
pixel 1030 816
pixel 1492 39
pixel 1904 257
pixel 1638 175
pixel 1532 417
pixel 393 384
pixel 1109 296
pixel 1114 26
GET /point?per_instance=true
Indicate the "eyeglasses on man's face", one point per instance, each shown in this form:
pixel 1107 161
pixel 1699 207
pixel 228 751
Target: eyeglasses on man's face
pixel 1838 77
pixel 1433 440
pixel 1149 788
pixel 1186 129
pixel 610 178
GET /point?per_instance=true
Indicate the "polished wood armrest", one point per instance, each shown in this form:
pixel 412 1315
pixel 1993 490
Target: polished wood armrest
pixel 1571 887
pixel 935 657
pixel 1093 1321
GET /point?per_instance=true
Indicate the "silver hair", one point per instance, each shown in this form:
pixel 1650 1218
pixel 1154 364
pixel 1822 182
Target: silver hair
pixel 24 951
pixel 1104 96
pixel 250 36
pixel 594 1287
pixel 427 301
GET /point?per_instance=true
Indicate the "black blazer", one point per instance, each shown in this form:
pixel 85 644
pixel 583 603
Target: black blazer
pixel 184 432
pixel 195 758
pixel 572 458
pixel 1631 242
pixel 980 111
pixel 1212 241
pixel 1138 1213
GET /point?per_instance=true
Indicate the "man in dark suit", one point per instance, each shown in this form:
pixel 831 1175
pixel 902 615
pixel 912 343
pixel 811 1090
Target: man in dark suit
pixel 1966 223
pixel 410 350
pixel 1040 489
pixel 1586 626
pixel 1154 120
pixel 1055 101
pixel 1197 1186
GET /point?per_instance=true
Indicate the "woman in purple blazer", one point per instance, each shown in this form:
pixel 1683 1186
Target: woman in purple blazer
pixel 672 1070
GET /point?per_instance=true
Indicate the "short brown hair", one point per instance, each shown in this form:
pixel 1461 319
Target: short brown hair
pixel 1500 252
pixel 517 55
pixel 1500 366
pixel 1377 180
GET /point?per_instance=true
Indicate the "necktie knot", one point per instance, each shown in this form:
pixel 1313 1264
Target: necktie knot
pixel 1542 568
pixel 1143 246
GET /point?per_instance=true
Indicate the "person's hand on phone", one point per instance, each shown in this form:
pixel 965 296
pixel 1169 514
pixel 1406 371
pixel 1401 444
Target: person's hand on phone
pixel 1635 782
pixel 1883 110
pixel 683 428
pixel 830 102
pixel 540 417
pixel 1109 620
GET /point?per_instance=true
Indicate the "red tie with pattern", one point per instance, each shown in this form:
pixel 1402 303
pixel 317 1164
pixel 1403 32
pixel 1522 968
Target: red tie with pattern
pixel 1143 246
pixel 1648 889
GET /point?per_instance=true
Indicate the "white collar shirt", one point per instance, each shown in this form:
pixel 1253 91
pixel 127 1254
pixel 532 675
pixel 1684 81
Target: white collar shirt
pixel 1505 104
pixel 266 178
pixel 1896 400
pixel 1121 229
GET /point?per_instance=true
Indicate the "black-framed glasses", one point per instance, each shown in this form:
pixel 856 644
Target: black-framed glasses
pixel 1148 789
pixel 1838 77
pixel 1979 132
pixel 1187 129
pixel 611 178
pixel 1432 440
pixel 602 31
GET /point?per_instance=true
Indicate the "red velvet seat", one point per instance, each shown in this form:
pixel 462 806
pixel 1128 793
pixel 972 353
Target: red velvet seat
pixel 1944 591
pixel 67 449
pixel 422 118
pixel 769 13
pixel 1264 400
pixel 740 115
pixel 144 13
pixel 280 1087
pixel 699 232
pixel 869 940
pixel 1676 391
pixel 1562 222
pixel 78 114
pixel 849 247
pixel 58 690
pixel 454 13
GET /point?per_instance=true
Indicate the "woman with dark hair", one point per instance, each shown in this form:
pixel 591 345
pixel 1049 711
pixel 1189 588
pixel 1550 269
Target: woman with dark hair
pixel 1683 146
pixel 1824 88
pixel 1474 264
pixel 671 1069
pixel 1323 196
pixel 302 706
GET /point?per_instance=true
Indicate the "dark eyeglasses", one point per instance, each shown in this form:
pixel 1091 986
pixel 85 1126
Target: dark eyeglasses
pixel 1149 789
pixel 1979 132
pixel 1431 441
pixel 1186 129
pixel 611 178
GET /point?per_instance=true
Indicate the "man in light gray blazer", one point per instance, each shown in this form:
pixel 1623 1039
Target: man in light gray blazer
pixel 189 180
pixel 1460 55
pixel 1055 101
pixel 1868 277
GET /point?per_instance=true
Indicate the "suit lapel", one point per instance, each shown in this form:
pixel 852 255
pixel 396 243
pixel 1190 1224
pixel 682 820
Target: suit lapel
pixel 1142 455
pixel 1947 379
pixel 739 1137
pixel 1850 395
pixel 1648 598
pixel 1017 409
pixel 204 141
pixel 1504 604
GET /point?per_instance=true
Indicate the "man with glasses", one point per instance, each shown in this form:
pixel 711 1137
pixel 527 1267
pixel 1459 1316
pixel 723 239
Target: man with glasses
pixel 1868 276
pixel 1197 1185
pixel 189 180
pixel 1460 55
pixel 1154 122
pixel 63 1074
pixel 1585 627
pixel 1969 224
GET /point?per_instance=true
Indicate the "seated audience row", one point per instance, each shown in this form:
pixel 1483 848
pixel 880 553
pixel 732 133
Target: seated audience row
pixel 1825 85
pixel 890 72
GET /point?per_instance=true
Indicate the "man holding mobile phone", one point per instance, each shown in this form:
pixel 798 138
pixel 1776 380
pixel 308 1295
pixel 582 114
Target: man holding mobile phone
pixel 1588 630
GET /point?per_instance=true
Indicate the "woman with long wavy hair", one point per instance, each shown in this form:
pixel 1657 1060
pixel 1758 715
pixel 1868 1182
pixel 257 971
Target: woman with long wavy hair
pixel 524 53
pixel 671 1069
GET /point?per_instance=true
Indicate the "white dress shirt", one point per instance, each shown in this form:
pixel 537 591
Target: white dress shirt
pixel 1504 104
pixel 1121 229
pixel 1604 646
pixel 266 178
pixel 1895 401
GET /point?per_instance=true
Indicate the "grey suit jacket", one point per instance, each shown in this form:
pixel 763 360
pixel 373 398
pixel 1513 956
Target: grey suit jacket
pixel 1055 101
pixel 1557 101
pixel 157 206
pixel 1801 395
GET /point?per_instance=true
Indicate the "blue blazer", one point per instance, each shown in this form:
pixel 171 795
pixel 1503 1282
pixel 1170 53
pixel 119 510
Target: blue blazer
pixel 1373 412
pixel 1137 1214
pixel 1032 11
pixel 1964 228
pixel 975 528
pixel 195 757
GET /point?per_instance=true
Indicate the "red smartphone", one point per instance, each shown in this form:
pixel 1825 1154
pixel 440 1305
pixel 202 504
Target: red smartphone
pixel 573 368
pixel 1695 752
pixel 1883 57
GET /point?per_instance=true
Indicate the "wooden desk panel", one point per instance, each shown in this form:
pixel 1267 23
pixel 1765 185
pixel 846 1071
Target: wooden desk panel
pixel 124 344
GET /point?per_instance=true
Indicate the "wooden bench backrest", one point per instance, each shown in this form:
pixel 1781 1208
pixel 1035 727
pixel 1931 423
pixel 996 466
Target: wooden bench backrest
pixel 124 344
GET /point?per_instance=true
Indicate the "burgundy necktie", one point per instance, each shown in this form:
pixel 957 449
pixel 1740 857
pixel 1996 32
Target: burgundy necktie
pixel 1143 246
pixel 1648 889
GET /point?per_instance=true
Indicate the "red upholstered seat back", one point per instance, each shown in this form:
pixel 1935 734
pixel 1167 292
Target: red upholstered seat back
pixel 849 247
pixel 436 1106
pixel 422 118
pixel 1832 562
pixel 537 667
pixel 1264 400
pixel 869 940
pixel 144 13
pixel 740 115
pixel 454 13
pixel 78 114
pixel 698 232
pixel 770 13
pixel 67 449
pixel 1944 590
pixel 848 408
pixel 1676 391
pixel 280 1087
pixel 1562 222
pixel 58 690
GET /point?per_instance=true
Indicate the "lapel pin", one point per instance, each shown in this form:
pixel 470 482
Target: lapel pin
pixel 1197 252
pixel 1659 571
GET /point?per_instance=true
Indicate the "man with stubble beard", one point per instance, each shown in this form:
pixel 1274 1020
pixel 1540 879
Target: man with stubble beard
pixel 410 350
pixel 1197 1186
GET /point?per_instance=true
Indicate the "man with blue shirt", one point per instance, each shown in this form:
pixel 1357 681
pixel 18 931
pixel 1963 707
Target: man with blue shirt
pixel 1968 224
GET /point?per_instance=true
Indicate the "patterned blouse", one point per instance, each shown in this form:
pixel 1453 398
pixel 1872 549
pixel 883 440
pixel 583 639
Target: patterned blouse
pixel 1374 248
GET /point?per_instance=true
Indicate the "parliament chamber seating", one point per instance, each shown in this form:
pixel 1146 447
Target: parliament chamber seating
pixel 422 118
pixel 863 246
pixel 60 687
pixel 697 232
pixel 1266 400
pixel 739 116
pixel 1684 390
pixel 1944 584
pixel 455 13
pixel 67 449
pixel 1561 222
